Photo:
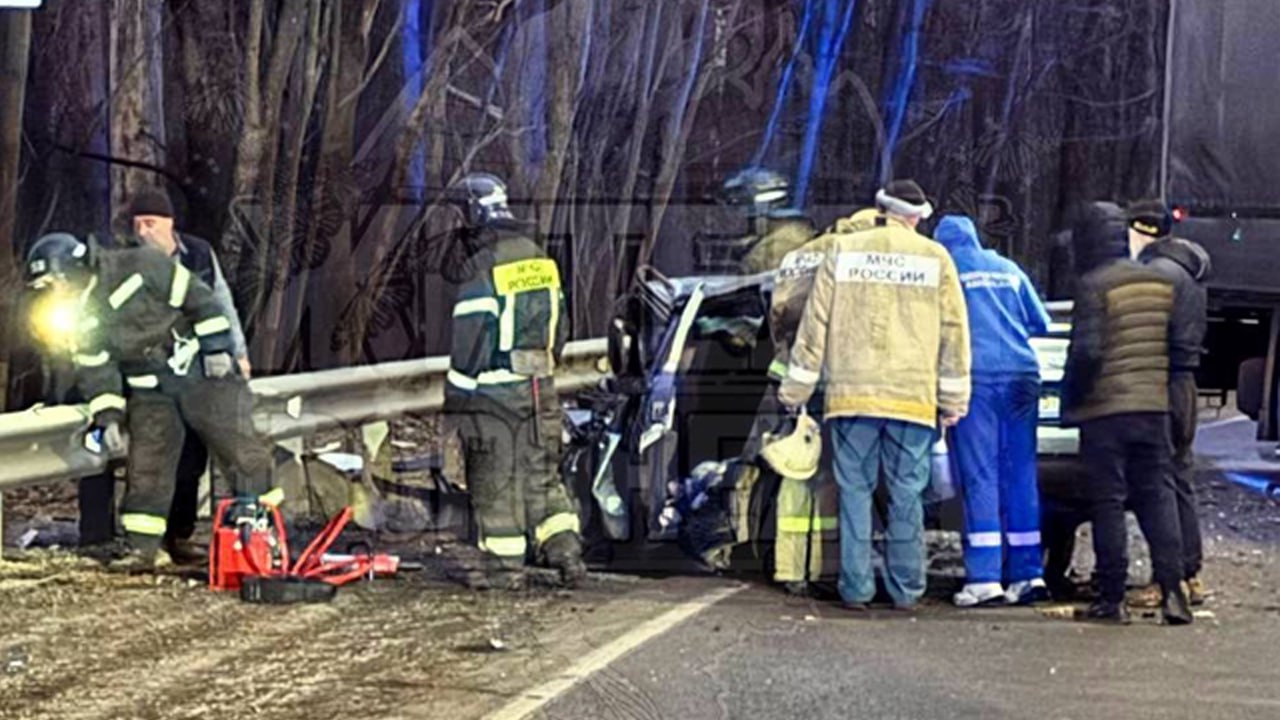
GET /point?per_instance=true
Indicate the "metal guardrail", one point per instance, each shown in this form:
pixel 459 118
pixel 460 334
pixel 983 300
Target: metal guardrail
pixel 46 444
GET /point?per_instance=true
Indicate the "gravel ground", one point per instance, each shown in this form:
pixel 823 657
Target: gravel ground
pixel 78 643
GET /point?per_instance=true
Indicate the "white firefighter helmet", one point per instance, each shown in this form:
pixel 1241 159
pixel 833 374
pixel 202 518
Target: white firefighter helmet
pixel 795 456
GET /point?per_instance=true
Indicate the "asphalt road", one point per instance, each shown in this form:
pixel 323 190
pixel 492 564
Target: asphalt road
pixel 759 655
pixel 752 656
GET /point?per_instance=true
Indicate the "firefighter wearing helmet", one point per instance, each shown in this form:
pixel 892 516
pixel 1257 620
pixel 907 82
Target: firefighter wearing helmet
pixel 152 353
pixel 776 227
pixel 509 328
pixel 806 506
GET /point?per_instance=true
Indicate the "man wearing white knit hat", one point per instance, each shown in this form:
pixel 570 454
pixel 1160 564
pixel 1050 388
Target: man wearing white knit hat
pixel 886 332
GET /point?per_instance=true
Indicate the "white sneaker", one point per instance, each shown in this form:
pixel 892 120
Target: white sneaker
pixel 1027 592
pixel 978 594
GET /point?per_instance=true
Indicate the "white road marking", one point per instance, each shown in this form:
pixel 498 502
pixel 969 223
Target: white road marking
pixel 1225 421
pixel 533 700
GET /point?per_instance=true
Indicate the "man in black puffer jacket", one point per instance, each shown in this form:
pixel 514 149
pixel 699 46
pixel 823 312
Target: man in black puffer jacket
pixel 1186 265
pixel 1116 390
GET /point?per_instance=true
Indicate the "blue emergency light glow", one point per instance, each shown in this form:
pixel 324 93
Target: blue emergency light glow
pixel 1265 486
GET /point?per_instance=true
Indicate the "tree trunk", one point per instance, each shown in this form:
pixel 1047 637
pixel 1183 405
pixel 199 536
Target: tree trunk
pixel 568 31
pixel 15 46
pixel 260 178
pixel 259 141
pixel 137 99
pixel 680 120
pixel 278 264
pixel 253 137
pixel 213 110
pixel 428 111
pixel 335 199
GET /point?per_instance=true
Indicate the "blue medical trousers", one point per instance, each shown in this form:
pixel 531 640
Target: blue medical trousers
pixel 994 454
pixel 863 448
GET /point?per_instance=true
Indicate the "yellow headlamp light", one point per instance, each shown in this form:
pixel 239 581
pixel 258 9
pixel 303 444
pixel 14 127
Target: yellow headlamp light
pixel 56 320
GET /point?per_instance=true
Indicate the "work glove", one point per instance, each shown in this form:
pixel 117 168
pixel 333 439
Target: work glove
pixel 109 423
pixel 219 365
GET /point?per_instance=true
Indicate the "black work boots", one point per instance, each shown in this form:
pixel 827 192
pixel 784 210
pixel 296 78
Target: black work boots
pixel 1108 613
pixel 185 552
pixel 563 552
pixel 1176 607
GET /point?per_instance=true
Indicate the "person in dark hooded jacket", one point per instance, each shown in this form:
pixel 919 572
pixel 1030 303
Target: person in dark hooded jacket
pixel 1187 265
pixel 1116 390
pixel 994 447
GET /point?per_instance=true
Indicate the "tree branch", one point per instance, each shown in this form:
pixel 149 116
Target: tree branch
pixel 377 62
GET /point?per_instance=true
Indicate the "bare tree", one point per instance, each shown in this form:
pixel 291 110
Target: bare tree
pixel 137 98
pixel 335 194
pixel 683 112
pixel 288 229
pixel 258 146
pixel 569 50
pixel 428 111
pixel 15 46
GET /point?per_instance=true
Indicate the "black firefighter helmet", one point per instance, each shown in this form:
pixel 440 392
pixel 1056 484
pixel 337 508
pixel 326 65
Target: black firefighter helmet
pixel 56 256
pixel 483 199
pixel 762 192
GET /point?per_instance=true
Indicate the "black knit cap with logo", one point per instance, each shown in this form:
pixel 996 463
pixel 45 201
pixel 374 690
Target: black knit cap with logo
pixel 1151 218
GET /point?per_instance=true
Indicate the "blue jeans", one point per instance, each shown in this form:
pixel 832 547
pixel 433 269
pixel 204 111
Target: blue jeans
pixel 863 448
pixel 994 454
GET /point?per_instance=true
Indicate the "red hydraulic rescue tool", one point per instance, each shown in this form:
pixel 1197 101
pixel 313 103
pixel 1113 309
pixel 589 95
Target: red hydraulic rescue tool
pixel 250 553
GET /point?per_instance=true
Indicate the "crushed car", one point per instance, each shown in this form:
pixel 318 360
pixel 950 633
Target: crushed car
pixel 654 453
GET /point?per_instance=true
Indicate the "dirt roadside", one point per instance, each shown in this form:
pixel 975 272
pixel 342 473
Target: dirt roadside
pixel 75 643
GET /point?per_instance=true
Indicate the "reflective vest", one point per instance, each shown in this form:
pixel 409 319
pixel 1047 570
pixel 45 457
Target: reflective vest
pixel 509 319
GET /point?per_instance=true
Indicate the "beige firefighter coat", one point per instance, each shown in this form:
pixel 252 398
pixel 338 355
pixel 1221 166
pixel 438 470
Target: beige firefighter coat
pixel 885 329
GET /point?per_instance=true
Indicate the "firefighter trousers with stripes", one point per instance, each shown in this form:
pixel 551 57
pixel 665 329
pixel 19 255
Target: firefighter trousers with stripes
pixel 512 456
pixel 806 511
pixel 220 412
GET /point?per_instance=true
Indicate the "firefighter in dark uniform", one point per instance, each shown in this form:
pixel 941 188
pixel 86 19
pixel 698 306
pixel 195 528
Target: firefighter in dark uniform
pixel 778 232
pixel 153 224
pixel 146 328
pixel 776 227
pixel 509 327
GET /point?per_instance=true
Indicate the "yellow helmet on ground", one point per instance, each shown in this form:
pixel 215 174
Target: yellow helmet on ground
pixel 795 456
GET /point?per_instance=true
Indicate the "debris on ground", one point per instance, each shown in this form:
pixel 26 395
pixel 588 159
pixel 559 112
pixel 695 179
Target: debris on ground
pixel 1058 612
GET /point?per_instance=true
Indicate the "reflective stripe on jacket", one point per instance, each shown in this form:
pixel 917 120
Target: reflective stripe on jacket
pixel 886 330
pixel 794 280
pixel 140 300
pixel 509 321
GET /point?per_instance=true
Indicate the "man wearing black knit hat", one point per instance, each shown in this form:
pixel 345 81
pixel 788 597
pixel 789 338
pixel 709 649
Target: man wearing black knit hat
pixel 153 222
pixel 1187 265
